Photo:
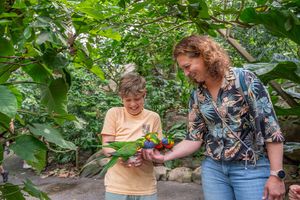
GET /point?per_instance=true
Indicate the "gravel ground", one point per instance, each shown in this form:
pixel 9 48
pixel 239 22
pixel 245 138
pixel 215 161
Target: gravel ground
pixel 89 188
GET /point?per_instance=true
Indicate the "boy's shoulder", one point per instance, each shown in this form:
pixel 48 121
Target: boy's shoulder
pixel 115 110
pixel 150 112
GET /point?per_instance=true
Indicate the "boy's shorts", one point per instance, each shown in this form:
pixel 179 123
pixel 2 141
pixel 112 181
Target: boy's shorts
pixel 113 196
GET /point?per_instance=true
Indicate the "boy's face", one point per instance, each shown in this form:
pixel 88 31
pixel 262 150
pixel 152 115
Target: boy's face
pixel 134 104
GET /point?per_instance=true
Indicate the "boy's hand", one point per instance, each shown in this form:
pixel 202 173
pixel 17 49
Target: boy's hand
pixel 294 193
pixel 134 161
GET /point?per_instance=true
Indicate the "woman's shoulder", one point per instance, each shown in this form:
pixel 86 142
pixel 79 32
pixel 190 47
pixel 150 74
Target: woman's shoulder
pixel 243 71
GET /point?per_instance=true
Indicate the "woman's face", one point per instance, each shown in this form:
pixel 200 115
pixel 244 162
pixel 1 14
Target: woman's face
pixel 193 68
pixel 134 104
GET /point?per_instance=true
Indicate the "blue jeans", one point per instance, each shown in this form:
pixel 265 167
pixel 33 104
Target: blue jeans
pixel 113 196
pixel 222 180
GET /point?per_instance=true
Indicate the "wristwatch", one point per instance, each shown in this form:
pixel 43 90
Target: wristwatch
pixel 280 174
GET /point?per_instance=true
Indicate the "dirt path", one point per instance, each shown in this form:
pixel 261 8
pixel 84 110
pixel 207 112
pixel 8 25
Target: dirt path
pixel 89 188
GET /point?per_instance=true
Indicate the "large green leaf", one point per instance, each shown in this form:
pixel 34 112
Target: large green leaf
pixel 31 189
pixel 54 60
pixel 19 4
pixel 6 70
pixel 6 47
pixel 8 102
pixel 38 72
pixel 54 97
pixel 282 23
pixel 32 150
pixel 109 33
pixel 287 111
pixel 51 135
pixel 138 6
pixel 270 71
pixel 4 122
pixel 9 191
pixel 94 10
pixel 15 91
pixel 98 71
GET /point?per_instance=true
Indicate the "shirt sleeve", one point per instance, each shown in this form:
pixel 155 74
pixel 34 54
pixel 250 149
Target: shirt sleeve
pixel 196 125
pixel 262 111
pixel 109 125
pixel 157 125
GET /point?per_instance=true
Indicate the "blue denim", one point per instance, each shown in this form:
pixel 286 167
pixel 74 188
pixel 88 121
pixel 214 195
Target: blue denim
pixel 224 180
pixel 113 196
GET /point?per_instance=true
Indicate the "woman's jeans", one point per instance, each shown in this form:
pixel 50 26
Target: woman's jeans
pixel 224 180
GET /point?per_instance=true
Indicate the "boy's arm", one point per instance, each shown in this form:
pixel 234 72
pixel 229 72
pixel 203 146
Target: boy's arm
pixel 105 140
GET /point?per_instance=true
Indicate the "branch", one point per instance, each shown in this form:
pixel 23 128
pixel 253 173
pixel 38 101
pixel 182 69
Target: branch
pixel 153 21
pixel 240 10
pixel 22 82
pixel 231 22
pixel 174 27
pixel 21 64
pixel 18 57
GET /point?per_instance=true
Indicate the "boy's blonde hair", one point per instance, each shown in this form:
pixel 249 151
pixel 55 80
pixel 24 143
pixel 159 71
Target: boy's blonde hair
pixel 132 84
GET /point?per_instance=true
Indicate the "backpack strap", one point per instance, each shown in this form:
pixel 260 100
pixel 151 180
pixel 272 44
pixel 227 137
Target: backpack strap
pixel 243 87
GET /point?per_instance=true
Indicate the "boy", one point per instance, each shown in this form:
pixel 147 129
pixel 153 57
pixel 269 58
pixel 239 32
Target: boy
pixel 134 179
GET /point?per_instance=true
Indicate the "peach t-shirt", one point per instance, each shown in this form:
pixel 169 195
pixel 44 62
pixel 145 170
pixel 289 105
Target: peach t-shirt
pixel 126 127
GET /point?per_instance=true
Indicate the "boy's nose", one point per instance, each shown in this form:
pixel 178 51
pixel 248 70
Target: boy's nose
pixel 132 103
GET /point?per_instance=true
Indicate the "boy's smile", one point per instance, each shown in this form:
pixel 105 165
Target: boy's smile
pixel 134 104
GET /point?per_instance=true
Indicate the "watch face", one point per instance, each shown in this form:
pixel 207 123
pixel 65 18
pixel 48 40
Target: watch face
pixel 281 174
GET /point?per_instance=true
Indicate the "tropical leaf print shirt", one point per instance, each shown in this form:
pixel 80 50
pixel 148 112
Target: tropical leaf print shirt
pixel 249 120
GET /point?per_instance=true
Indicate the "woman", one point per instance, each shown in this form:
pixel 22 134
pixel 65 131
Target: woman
pixel 231 114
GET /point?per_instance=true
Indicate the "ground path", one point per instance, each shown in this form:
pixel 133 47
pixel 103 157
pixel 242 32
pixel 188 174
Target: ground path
pixel 89 188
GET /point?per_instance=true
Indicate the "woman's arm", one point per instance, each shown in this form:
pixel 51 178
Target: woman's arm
pixel 274 187
pixel 182 149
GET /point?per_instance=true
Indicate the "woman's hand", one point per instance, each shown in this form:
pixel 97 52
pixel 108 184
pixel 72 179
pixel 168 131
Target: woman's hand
pixel 153 155
pixel 274 189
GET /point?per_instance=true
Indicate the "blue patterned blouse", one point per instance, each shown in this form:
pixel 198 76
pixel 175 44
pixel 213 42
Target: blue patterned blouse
pixel 248 118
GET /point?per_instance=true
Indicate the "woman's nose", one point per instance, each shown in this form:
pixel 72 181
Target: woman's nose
pixel 186 72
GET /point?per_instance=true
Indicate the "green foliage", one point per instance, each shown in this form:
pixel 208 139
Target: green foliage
pixel 30 188
pixel 10 191
pixel 8 102
pixel 50 49
pixel 281 22
pixel 35 153
pixel 178 131
pixel 51 135
pixel 89 102
pixel 175 93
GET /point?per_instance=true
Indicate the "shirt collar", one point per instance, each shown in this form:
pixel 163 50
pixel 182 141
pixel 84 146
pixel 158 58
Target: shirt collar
pixel 228 77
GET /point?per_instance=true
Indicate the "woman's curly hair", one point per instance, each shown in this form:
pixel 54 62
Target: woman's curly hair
pixel 215 58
